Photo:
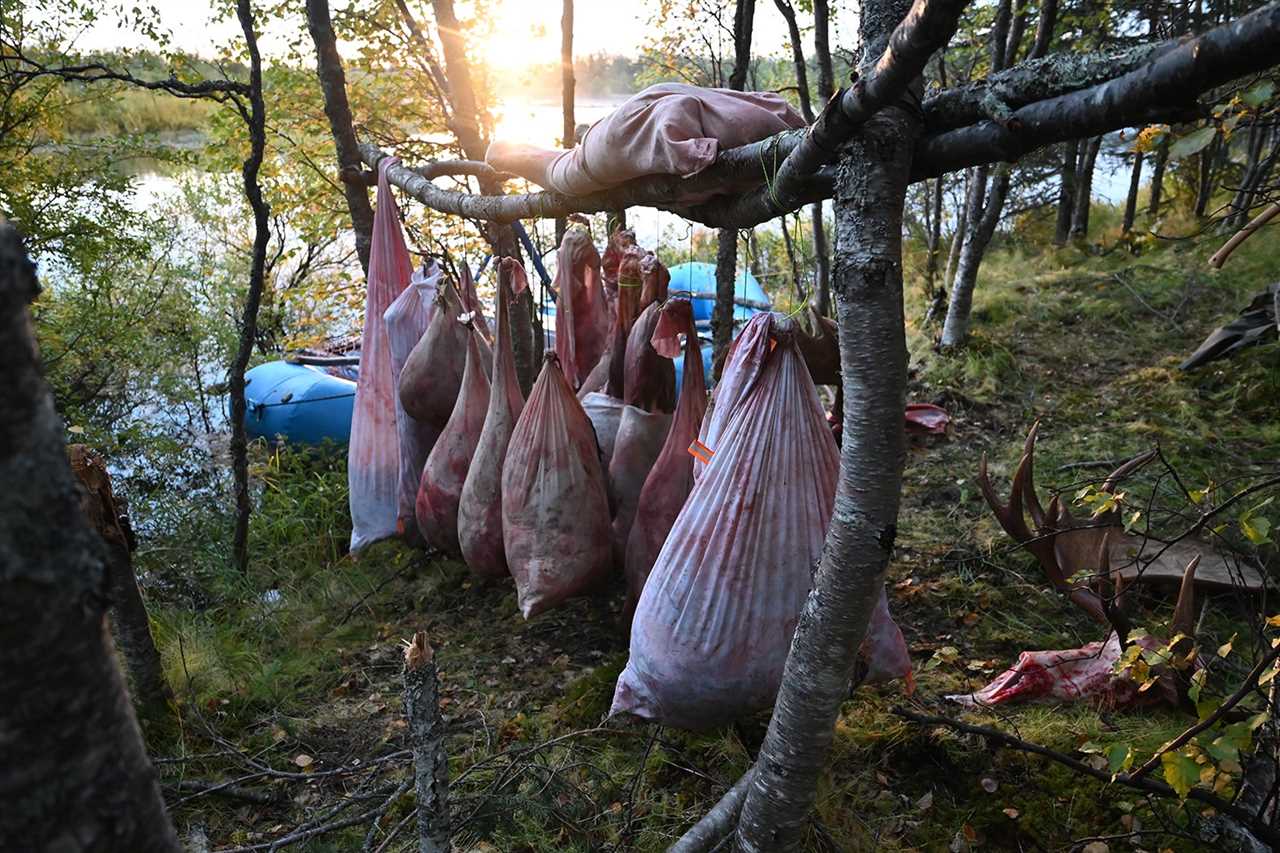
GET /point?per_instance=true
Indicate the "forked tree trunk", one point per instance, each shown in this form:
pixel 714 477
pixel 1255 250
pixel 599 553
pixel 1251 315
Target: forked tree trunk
pixel 1131 201
pixel 333 86
pixel 253 294
pixel 74 774
pixel 956 328
pixel 870 190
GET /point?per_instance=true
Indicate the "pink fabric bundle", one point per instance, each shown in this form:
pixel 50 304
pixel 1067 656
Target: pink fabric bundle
pixel 373 456
pixel 582 320
pixel 445 472
pixel 407 319
pixel 669 480
pixel 555 514
pixel 668 129
pixel 714 622
pixel 480 509
pixel 432 374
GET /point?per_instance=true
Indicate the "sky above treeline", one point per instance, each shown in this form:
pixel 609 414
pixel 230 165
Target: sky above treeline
pixel 526 32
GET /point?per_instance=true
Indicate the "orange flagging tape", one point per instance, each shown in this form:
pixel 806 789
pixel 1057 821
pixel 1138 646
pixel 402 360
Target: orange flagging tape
pixel 701 452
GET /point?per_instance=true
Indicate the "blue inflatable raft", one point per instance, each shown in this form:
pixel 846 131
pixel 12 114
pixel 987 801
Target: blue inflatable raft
pixel 298 403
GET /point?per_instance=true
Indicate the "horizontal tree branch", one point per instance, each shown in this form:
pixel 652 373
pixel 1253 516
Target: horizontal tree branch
pixel 1164 87
pixel 1033 80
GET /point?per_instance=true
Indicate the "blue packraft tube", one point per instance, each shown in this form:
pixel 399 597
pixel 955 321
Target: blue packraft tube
pixel 297 403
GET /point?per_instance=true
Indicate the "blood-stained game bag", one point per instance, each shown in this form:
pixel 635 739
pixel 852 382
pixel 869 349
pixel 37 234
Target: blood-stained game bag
pixel 373 455
pixel 713 625
pixel 480 510
pixel 555 512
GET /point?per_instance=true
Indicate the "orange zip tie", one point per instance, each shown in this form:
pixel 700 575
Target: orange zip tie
pixel 701 452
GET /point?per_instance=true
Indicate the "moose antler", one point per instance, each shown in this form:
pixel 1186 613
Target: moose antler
pixel 1059 543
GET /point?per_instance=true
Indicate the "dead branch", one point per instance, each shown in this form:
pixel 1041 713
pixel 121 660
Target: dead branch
pixel 1220 257
pixel 426 733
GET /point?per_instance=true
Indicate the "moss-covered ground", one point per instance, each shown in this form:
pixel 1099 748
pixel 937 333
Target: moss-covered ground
pixel 296 667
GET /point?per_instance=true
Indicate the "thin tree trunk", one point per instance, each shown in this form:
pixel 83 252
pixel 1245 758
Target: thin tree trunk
pixel 333 86
pixel 1157 178
pixel 129 620
pixel 256 120
pixel 75 775
pixel 934 293
pixel 822 260
pixel 870 191
pixel 1131 201
pixel 1205 182
pixel 722 311
pixel 1084 189
pixel 568 125
pixel 1044 27
pixel 1016 29
pixel 426 736
pixel 957 236
pixel 822 50
pixel 727 238
pixel 1066 191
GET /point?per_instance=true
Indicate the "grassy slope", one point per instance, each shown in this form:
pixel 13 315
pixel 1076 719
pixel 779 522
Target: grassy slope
pixel 1088 344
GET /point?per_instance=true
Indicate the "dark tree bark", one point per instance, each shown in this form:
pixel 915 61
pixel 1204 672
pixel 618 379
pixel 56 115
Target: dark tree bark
pixel 822 50
pixel 129 620
pixel 75 776
pixel 333 85
pixel 1204 176
pixel 1066 192
pixel 426 735
pixel 1084 189
pixel 255 119
pixel 722 311
pixel 933 240
pixel 1157 178
pixel 1044 27
pixel 1131 200
pixel 727 238
pixel 873 174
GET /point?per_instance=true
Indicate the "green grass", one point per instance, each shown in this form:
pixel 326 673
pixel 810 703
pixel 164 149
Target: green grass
pixel 133 111
pixel 1087 343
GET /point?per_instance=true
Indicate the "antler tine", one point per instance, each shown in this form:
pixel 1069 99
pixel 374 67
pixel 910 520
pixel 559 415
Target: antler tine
pixel 1184 612
pixel 1033 500
pixel 1126 469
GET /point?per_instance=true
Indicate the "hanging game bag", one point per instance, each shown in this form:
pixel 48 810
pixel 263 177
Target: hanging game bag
pixel 555 512
pixel 713 625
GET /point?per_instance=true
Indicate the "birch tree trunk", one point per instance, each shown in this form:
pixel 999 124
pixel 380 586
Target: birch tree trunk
pixel 74 775
pixel 333 85
pixel 956 328
pixel 870 191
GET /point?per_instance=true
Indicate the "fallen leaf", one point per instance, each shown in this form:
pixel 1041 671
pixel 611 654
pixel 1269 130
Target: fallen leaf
pixel 1096 847
pixel 1012 813
pixel 989 785
pixel 925 802
pixel 303 760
